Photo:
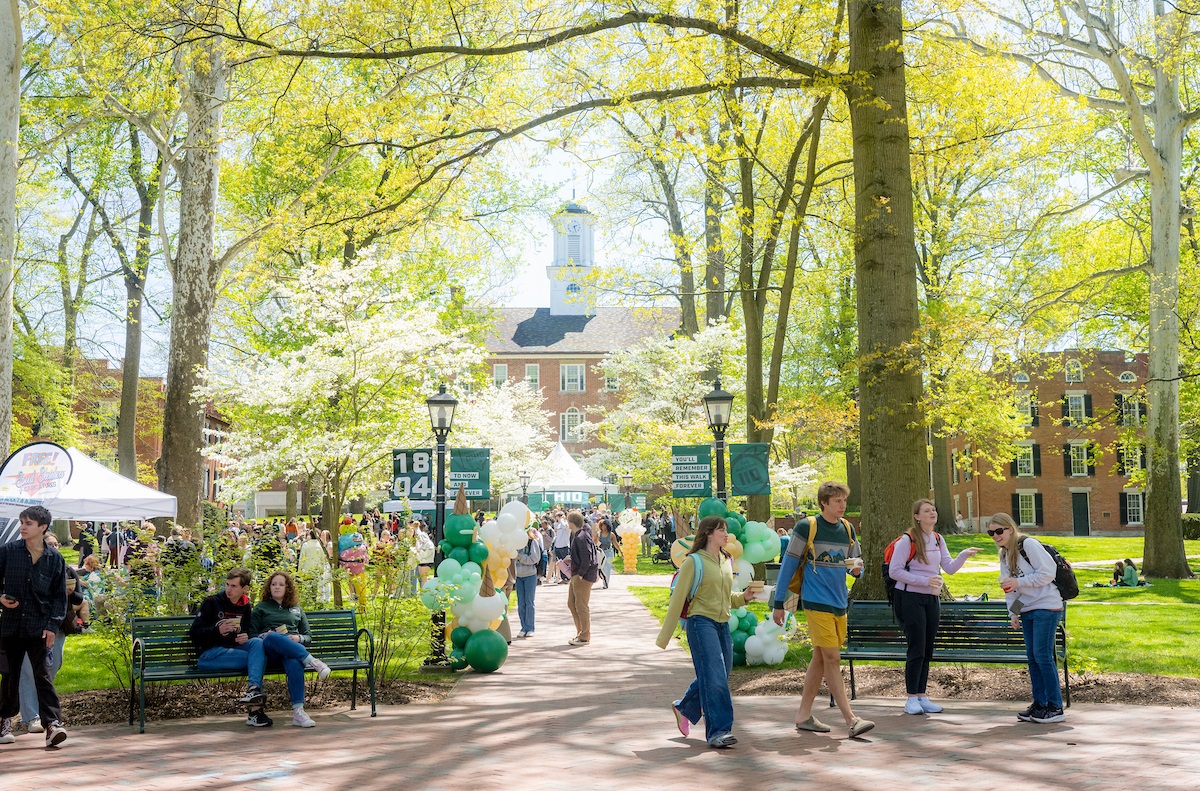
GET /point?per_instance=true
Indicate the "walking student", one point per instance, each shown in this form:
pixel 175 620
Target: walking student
pixel 707 628
pixel 33 593
pixel 832 555
pixel 527 562
pixel 1036 608
pixel 585 570
pixel 918 557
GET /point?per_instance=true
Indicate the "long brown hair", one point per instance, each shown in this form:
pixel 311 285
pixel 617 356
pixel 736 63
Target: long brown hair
pixel 705 529
pixel 289 589
pixel 915 534
pixel 1014 544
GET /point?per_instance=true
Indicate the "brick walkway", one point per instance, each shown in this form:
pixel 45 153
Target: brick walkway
pixel 596 717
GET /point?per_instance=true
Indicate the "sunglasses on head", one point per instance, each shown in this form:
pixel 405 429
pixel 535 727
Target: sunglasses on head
pixel 996 532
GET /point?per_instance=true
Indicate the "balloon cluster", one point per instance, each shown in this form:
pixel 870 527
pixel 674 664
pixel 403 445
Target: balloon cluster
pixel 504 537
pixel 630 529
pixel 742 624
pixel 769 643
pixel 481 612
pixel 759 543
pixel 485 650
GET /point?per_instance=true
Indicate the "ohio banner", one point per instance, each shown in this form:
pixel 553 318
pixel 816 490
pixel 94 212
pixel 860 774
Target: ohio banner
pixel 691 471
pixel 748 468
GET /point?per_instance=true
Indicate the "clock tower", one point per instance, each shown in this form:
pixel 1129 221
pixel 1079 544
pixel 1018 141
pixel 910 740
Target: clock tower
pixel 574 251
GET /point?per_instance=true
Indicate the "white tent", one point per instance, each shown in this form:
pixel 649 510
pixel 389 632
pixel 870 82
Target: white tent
pixel 559 472
pixel 97 493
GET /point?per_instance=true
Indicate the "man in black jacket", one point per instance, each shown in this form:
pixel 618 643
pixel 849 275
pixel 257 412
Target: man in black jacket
pixel 221 636
pixel 585 570
pixel 33 602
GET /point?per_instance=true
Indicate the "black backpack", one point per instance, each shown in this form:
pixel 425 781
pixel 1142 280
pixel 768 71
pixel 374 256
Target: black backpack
pixel 1064 576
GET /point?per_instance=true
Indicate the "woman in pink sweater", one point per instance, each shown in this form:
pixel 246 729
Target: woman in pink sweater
pixel 917 561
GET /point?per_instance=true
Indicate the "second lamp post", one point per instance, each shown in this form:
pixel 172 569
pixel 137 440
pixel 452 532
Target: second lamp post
pixel 718 406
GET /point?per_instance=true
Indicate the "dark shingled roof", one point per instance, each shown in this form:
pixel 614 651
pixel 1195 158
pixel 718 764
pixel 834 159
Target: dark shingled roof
pixel 535 331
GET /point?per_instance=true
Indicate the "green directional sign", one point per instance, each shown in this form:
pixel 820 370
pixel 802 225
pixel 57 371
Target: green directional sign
pixel 473 467
pixel 691 471
pixel 748 468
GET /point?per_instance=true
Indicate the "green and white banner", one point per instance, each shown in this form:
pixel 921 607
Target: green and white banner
pixel 691 471
pixel 413 470
pixel 748 468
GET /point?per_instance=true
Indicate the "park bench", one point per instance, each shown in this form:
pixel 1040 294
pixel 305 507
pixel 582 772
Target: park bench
pixel 163 651
pixel 969 632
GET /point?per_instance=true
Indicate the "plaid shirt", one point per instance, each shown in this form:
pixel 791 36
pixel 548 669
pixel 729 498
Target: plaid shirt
pixel 41 589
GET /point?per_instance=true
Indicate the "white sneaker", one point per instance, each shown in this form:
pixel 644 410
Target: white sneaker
pixel 929 707
pixel 319 666
pixel 35 725
pixel 522 634
pixel 913 706
pixel 301 719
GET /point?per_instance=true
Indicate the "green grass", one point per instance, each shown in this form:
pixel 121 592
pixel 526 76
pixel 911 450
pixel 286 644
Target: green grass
pixel 1074 549
pixel 644 566
pixel 83 666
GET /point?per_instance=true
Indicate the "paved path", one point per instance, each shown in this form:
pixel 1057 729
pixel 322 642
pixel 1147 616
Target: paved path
pixel 596 717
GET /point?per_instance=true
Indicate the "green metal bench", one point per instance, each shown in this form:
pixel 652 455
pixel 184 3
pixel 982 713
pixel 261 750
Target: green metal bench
pixel 163 651
pixel 968 632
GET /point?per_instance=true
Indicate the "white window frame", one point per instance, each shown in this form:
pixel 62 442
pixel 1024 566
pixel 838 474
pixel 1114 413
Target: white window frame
pixel 1132 412
pixel 971 508
pixel 1133 457
pixel 1074 371
pixel 1025 461
pixel 1127 377
pixel 534 381
pixel 1024 498
pixel 1024 404
pixel 966 471
pixel 953 467
pixel 1072 401
pixel 568 425
pixel 1129 508
pixel 575 243
pixel 499 374
pixel 1079 465
pixel 1021 378
pixel 565 380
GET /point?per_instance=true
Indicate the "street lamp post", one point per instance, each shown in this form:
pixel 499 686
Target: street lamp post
pixel 627 480
pixel 524 478
pixel 441 418
pixel 718 405
pixel 604 480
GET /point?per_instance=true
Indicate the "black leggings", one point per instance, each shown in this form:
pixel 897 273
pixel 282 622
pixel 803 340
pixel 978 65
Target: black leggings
pixel 920 613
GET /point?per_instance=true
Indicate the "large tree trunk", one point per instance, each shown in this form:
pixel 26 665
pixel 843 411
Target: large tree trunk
pixel 941 485
pixel 1193 483
pixel 289 500
pixel 195 274
pixel 853 479
pixel 10 119
pixel 892 445
pixel 714 245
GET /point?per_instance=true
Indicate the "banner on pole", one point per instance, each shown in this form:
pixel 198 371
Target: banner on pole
pixel 691 471
pixel 413 470
pixel 748 468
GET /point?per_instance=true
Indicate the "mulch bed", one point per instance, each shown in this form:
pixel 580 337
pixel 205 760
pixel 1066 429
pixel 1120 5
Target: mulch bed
pixel 984 683
pixel 219 698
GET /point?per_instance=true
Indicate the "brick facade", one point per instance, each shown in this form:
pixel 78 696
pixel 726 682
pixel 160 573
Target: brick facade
pixel 1075 472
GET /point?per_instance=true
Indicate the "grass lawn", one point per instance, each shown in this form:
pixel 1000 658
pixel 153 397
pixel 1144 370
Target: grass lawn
pixel 644 566
pixel 1073 548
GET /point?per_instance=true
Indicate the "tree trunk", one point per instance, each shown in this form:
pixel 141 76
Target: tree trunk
pixel 892 428
pixel 289 500
pixel 714 246
pixel 10 119
pixel 853 479
pixel 941 486
pixel 195 274
pixel 1193 483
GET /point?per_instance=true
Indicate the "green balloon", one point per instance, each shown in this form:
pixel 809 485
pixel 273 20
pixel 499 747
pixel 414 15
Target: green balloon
pixel 458 637
pixel 734 516
pixel 739 642
pixel 486 651
pixel 460 554
pixel 458 660
pixel 460 530
pixel 739 659
pixel 737 531
pixel 711 507
pixel 478 552
pixel 445 547
pixel 747 623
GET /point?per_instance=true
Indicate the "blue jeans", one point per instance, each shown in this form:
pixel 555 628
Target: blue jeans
pixel 248 657
pixel 29 698
pixel 1040 627
pixel 526 587
pixel 712 656
pixel 283 650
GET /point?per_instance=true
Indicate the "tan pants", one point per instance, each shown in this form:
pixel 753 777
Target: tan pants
pixel 578 595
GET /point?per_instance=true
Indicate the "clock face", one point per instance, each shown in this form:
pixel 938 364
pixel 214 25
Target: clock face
pixel 573 226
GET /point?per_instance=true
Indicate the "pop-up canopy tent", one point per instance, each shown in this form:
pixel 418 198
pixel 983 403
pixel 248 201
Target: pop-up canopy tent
pixel 559 472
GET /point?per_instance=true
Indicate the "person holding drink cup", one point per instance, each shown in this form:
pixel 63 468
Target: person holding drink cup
pixel 282 626
pixel 918 557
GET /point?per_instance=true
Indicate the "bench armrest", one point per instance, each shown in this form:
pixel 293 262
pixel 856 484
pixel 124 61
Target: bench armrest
pixel 137 659
pixel 370 643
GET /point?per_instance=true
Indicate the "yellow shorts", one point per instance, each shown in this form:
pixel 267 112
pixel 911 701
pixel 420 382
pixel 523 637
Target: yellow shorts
pixel 825 629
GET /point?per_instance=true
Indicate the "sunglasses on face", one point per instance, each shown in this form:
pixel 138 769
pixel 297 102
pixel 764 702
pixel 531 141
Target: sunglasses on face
pixel 997 532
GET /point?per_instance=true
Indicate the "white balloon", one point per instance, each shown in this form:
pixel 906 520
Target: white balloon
pixel 754 646
pixel 743 572
pixel 518 509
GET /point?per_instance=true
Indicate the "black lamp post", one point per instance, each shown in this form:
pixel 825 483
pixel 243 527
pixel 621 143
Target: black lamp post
pixel 604 480
pixel 718 405
pixel 627 481
pixel 524 478
pixel 441 418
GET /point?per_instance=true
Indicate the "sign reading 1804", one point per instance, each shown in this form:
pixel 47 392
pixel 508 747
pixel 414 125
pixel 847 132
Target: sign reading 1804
pixel 413 471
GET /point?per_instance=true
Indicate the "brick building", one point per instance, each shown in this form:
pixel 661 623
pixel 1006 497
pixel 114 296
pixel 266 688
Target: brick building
pixel 1076 471
pixel 557 349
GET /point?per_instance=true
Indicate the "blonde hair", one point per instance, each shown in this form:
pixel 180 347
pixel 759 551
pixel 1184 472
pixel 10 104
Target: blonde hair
pixel 1017 536
pixel 915 531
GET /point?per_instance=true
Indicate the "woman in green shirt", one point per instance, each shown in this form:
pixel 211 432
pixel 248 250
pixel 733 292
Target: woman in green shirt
pixel 283 627
pixel 707 628
pixel 1129 577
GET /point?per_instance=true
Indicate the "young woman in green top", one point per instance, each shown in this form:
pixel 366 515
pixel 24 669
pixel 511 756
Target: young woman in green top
pixel 283 627
pixel 707 628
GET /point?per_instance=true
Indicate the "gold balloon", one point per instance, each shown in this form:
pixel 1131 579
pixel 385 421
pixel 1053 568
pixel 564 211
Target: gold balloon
pixel 734 547
pixel 680 549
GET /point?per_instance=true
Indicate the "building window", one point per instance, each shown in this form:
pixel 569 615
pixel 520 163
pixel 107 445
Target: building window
pixel 1133 457
pixel 611 383
pixel 1024 400
pixel 971 508
pixel 568 425
pixel 1128 376
pixel 969 463
pixel 1074 371
pixel 1133 508
pixel 1075 410
pixel 1021 378
pixel 571 378
pixel 532 374
pixel 1027 510
pixel 1132 412
pixel 1025 461
pixel 500 374
pixel 574 251
pixel 1079 460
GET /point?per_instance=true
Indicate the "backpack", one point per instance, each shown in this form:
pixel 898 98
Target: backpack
pixel 796 585
pixel 698 575
pixel 1064 576
pixel 889 584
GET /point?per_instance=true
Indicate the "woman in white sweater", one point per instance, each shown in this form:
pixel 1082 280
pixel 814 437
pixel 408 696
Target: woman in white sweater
pixel 1035 606
pixel 919 557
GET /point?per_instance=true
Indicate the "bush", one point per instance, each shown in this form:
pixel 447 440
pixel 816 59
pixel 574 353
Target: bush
pixel 1191 527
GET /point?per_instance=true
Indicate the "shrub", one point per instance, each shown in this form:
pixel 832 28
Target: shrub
pixel 1191 527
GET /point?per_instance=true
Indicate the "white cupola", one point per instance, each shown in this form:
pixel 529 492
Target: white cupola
pixel 574 257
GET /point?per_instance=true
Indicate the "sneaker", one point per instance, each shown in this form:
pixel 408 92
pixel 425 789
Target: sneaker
pixel 253 697
pixel 1029 713
pixel 6 728
pixel 913 706
pixel 929 707
pixel 681 722
pixel 577 641
pixel 259 719
pixel 522 634
pixel 859 726
pixel 812 724
pixel 56 734
pixel 722 741
pixel 316 664
pixel 1048 714
pixel 301 719
pixel 35 725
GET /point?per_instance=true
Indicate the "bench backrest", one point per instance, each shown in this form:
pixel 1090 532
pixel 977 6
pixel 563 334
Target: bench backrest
pixel 964 626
